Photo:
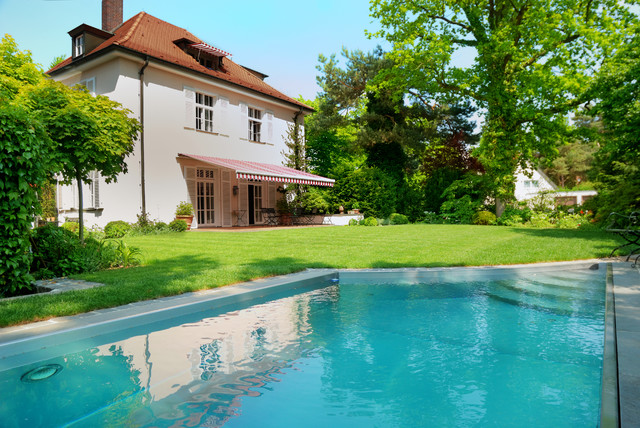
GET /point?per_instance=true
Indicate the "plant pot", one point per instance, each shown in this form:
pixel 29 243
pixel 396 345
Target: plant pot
pixel 285 219
pixel 187 218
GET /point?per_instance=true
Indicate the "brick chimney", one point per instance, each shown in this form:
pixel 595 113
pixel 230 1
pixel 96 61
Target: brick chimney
pixel 111 14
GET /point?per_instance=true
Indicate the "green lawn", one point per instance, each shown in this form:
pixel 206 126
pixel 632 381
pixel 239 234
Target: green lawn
pixel 181 262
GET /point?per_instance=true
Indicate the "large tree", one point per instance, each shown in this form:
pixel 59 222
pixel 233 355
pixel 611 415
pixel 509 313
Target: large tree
pixel 531 61
pixel 618 160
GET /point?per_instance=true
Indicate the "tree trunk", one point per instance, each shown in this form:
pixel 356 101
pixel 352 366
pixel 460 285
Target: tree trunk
pixel 500 206
pixel 80 209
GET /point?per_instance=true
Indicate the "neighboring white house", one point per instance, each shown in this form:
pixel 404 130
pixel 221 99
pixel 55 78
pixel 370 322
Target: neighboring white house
pixel 536 182
pixel 532 183
pixel 212 130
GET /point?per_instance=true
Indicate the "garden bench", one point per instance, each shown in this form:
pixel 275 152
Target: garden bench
pixel 627 227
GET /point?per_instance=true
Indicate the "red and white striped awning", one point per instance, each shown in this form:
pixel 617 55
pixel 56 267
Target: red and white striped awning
pixel 264 171
pixel 209 49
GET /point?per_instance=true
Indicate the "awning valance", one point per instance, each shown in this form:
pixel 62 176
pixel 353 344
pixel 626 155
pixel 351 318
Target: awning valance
pixel 264 171
pixel 209 49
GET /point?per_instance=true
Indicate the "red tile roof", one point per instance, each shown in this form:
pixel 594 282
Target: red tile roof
pixel 151 36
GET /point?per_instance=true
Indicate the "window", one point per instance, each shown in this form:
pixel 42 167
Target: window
pixel 204 112
pixel 255 122
pixel 90 84
pixel 78 45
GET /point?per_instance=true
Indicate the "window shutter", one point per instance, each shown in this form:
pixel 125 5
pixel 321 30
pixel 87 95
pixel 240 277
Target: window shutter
pixel 243 201
pixel 190 179
pixel 268 122
pixel 226 198
pixel 95 189
pixel 189 108
pixel 271 195
pixel 222 116
pixel 244 121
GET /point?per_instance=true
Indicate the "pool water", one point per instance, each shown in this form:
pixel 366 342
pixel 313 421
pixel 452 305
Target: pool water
pixel 503 352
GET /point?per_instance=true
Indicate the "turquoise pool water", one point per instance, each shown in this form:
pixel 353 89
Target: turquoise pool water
pixel 522 351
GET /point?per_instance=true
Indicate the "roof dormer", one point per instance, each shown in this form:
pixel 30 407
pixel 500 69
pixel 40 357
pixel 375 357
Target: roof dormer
pixel 86 38
pixel 206 55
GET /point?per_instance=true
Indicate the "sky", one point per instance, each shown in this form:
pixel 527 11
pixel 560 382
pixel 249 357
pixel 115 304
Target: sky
pixel 281 38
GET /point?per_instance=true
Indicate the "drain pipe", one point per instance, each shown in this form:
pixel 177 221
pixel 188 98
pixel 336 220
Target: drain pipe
pixel 142 182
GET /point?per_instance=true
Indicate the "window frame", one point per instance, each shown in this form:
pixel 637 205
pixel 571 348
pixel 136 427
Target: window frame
pixel 204 113
pixel 78 45
pixel 254 124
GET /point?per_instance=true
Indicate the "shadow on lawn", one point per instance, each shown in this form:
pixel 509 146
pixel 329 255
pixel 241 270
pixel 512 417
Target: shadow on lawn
pixel 609 240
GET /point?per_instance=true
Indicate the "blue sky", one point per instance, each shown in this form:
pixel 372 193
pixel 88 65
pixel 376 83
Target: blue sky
pixel 281 38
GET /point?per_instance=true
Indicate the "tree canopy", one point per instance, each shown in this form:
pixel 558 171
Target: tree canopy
pixel 532 62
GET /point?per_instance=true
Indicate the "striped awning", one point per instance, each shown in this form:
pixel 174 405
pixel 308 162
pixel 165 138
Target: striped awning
pixel 209 49
pixel 264 171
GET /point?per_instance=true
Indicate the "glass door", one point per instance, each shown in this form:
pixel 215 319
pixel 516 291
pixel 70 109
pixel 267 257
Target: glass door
pixel 205 196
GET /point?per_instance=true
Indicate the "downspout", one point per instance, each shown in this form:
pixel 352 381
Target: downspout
pixel 142 182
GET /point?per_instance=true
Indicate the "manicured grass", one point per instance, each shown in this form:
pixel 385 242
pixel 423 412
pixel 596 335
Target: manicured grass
pixel 181 262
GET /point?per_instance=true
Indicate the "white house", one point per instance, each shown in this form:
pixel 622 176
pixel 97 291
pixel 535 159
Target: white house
pixel 212 130
pixel 535 182
pixel 532 183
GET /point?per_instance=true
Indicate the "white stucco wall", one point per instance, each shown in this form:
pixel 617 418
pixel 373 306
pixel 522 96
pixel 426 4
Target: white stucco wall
pixel 530 184
pixel 166 135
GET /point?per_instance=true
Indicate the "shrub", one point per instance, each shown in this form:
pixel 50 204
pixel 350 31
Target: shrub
pixel 353 222
pixel 178 225
pixel 59 252
pixel 373 190
pixel 25 155
pixel 116 229
pixel 541 220
pixel 71 226
pixel 370 221
pixel 484 218
pixel 396 218
pixel 184 208
pixel 162 226
pixel 459 210
pixel 513 216
pixel 431 218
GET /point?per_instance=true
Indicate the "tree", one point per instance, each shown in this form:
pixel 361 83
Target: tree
pixel 533 61
pixel 91 133
pixel 573 163
pixel 24 166
pixel 617 171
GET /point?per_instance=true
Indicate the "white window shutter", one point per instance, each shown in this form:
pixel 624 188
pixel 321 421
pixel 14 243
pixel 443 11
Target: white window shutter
pixel 268 120
pixel 221 124
pixel 244 121
pixel 189 108
pixel 272 195
pixel 190 179
pixel 226 198
pixel 243 201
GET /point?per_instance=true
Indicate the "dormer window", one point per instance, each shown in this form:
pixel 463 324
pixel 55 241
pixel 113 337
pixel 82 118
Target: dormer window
pixel 85 38
pixel 78 45
pixel 206 55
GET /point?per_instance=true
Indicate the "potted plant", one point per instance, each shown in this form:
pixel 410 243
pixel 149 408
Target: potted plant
pixel 284 211
pixel 184 211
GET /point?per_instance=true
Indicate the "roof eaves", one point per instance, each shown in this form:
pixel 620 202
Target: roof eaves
pixel 60 69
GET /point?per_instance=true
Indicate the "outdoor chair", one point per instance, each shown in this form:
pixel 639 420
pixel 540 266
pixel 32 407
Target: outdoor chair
pixel 628 228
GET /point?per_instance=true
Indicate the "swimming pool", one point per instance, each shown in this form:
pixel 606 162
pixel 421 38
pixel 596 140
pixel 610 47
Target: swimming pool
pixel 440 347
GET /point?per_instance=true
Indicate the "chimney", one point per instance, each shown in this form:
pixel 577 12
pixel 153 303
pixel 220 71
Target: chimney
pixel 111 14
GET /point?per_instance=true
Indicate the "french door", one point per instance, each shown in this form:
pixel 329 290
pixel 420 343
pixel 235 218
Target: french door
pixel 205 197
